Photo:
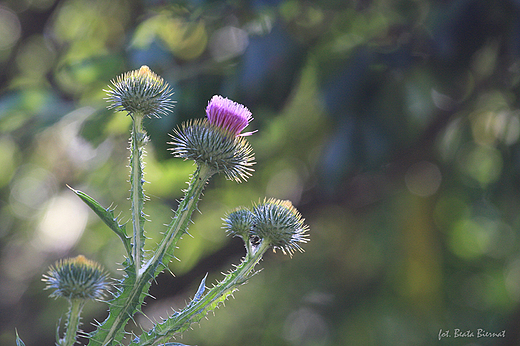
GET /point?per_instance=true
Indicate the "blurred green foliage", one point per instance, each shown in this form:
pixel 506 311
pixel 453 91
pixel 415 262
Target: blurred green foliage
pixel 393 126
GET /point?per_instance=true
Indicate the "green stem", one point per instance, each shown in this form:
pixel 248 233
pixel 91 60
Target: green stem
pixel 132 296
pixel 163 332
pixel 179 224
pixel 76 305
pixel 138 140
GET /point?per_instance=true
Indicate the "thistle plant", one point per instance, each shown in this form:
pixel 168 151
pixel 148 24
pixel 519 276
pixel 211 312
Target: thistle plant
pixel 216 144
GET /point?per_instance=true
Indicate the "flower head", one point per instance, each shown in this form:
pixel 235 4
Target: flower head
pixel 279 223
pixel 140 92
pixel 229 115
pixel 216 141
pixel 77 278
pixel 212 146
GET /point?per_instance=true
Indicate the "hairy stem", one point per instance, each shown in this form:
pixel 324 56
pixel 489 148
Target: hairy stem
pixel 76 305
pixel 137 197
pixel 179 224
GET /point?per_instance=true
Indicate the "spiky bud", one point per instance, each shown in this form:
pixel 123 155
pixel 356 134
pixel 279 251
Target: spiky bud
pixel 77 278
pixel 280 224
pixel 216 141
pixel 140 92
pixel 239 223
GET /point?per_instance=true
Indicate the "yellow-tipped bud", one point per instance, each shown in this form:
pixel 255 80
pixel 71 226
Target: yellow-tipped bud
pixel 140 92
pixel 77 278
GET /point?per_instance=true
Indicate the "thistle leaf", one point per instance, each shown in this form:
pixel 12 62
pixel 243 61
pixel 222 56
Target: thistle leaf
pixel 107 216
pixel 201 304
pixel 128 300
pixel 19 341
pixel 181 321
pixel 201 289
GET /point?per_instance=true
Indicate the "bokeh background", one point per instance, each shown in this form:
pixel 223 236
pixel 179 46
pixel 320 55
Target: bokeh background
pixel 393 126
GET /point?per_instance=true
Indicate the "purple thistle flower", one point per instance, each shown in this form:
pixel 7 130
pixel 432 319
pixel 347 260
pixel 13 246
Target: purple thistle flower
pixel 229 115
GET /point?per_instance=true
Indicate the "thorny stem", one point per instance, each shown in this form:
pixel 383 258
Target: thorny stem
pixel 179 224
pixel 138 140
pixel 76 305
pixel 231 281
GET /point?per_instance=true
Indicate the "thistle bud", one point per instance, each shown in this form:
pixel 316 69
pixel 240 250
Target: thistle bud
pixel 216 141
pixel 140 92
pixel 238 223
pixel 280 224
pixel 77 278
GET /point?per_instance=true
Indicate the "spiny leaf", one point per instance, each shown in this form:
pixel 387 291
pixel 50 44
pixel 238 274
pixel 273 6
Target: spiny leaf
pixel 180 321
pixel 107 216
pixel 128 299
pixel 200 305
pixel 19 341
pixel 201 289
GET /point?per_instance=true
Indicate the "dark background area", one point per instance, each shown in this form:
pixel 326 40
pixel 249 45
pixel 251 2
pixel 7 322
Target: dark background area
pixel 393 126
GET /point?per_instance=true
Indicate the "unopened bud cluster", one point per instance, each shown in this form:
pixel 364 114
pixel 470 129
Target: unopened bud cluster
pixel 274 221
